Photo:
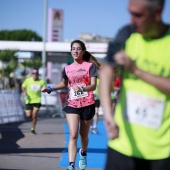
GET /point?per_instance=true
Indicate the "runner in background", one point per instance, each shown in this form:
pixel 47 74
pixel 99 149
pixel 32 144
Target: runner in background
pixel 80 77
pixel 31 89
pixel 116 87
pixel 93 127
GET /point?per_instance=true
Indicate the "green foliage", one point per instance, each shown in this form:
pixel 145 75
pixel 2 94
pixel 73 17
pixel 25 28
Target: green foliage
pixel 10 67
pixel 24 73
pixel 9 62
pixel 7 55
pixel 32 62
pixel 19 35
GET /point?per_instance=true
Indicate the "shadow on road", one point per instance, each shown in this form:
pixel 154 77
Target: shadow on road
pixel 10 134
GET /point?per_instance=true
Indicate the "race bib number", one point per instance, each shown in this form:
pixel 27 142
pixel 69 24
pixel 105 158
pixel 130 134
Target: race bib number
pixel 35 87
pixel 77 95
pixel 144 110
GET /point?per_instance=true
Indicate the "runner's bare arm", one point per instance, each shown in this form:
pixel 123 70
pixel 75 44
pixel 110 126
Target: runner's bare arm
pixel 105 89
pixel 58 86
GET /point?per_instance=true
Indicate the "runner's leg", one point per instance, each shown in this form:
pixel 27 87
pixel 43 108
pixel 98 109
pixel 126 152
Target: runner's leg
pixel 73 123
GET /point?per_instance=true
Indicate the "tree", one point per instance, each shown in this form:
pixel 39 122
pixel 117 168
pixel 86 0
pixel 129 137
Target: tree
pixel 19 35
pixel 9 64
pixel 30 63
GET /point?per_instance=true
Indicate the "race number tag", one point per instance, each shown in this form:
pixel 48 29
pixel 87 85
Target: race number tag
pixel 35 87
pixel 77 95
pixel 144 110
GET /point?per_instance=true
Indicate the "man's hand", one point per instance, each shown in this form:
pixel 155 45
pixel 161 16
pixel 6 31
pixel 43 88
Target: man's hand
pixel 25 93
pixel 45 89
pixel 121 58
pixel 111 126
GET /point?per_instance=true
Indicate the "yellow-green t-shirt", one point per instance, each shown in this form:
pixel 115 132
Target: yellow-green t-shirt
pixel 33 89
pixel 143 111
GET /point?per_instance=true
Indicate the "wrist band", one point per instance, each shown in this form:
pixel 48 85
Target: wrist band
pixel 50 89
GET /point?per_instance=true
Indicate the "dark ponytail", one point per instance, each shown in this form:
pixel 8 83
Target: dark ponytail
pixel 88 57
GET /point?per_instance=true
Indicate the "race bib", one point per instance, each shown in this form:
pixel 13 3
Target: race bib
pixel 77 95
pixel 144 110
pixel 35 87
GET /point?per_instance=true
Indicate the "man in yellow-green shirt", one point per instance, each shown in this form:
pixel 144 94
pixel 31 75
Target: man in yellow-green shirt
pixel 31 88
pixel 139 131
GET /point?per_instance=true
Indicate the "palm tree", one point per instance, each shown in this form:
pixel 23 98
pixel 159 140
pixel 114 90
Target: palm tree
pixel 8 66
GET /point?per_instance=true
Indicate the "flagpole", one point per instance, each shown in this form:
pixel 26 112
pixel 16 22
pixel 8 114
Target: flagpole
pixel 44 40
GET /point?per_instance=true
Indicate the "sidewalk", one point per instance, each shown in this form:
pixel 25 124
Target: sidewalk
pixel 20 150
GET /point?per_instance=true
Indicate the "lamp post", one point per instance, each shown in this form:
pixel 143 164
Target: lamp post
pixel 44 39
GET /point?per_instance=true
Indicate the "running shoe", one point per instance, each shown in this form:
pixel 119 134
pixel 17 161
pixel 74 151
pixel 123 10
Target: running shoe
pixel 33 132
pixel 91 129
pixel 70 168
pixel 95 131
pixel 82 161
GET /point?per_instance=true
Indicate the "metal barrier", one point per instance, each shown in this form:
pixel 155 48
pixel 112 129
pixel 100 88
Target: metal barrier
pixel 10 107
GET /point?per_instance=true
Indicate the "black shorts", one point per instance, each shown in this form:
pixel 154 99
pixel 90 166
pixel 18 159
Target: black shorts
pixel 32 105
pixel 86 113
pixel 97 103
pixel 118 161
pixel 114 101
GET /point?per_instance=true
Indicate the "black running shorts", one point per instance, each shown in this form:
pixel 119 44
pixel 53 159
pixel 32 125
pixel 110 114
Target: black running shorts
pixel 32 105
pixel 97 103
pixel 86 113
pixel 118 161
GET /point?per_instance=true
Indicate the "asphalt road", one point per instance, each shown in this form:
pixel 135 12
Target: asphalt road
pixel 20 150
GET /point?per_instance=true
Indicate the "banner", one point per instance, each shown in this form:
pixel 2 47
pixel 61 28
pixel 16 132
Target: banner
pixel 55 25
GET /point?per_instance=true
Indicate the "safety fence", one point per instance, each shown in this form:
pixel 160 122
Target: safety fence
pixel 10 107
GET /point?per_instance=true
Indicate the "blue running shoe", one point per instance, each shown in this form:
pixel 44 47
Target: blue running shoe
pixel 82 161
pixel 70 168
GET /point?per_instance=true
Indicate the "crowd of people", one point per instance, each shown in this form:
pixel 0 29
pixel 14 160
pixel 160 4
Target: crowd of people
pixel 132 86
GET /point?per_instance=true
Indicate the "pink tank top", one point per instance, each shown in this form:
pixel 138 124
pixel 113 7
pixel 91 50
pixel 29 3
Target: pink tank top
pixel 79 75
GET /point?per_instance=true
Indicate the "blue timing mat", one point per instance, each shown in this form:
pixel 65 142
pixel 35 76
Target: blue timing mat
pixel 96 153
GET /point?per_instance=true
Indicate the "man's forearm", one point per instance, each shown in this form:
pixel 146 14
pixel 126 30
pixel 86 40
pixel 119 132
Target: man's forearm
pixel 106 80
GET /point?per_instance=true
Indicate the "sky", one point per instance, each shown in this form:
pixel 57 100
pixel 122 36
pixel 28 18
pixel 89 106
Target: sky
pixel 97 17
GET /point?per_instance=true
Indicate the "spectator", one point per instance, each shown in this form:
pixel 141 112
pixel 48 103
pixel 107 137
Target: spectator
pixel 93 128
